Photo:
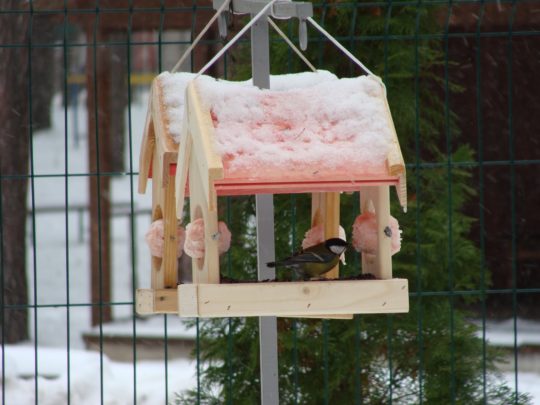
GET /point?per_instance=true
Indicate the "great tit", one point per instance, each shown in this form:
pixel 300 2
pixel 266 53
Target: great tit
pixel 316 260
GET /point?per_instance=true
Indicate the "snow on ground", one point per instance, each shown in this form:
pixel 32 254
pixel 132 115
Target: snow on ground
pixel 116 387
pixel 527 382
pixel 501 333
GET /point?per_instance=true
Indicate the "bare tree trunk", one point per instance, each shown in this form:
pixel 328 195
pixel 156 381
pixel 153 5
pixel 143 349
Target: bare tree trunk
pixel 14 108
pixel 99 160
pixel 119 101
pixel 43 67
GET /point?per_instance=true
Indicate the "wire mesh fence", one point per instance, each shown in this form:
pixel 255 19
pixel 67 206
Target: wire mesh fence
pixel 461 83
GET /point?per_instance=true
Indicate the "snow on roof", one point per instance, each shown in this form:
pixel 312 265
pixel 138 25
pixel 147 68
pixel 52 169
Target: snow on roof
pixel 174 89
pixel 310 125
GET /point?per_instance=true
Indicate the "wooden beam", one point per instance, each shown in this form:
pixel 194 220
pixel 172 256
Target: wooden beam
pixel 166 147
pixel 384 251
pixel 162 301
pixel 377 199
pixel 182 166
pixel 164 270
pixel 170 237
pixel 325 210
pixel 331 224
pixel 366 204
pixel 394 160
pixel 312 298
pixel 202 133
pixel 205 270
pixel 148 145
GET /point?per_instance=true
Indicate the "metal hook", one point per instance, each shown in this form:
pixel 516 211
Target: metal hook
pixel 222 24
pixel 302 34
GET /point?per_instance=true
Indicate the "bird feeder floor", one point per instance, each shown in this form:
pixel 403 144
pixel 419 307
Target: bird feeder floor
pixel 284 299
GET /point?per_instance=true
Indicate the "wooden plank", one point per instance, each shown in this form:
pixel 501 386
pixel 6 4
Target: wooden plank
pixel 205 270
pixel 394 161
pixel 166 148
pixel 317 208
pixel 170 237
pixel 147 150
pixel 312 298
pixel 158 277
pixel 187 300
pixel 182 166
pixel 366 204
pixel 164 270
pixel 144 301
pixel 162 301
pixel 384 253
pixel 377 199
pixel 161 119
pixel 319 203
pixel 148 301
pixel 325 211
pixel 165 301
pixel 384 244
pixel 331 224
pixel 202 132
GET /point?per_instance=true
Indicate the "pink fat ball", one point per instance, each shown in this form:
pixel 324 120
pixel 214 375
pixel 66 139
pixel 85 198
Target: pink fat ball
pixel 364 234
pixel 315 236
pixel 194 245
pixel 154 238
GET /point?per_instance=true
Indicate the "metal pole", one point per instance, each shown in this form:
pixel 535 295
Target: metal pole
pixel 260 65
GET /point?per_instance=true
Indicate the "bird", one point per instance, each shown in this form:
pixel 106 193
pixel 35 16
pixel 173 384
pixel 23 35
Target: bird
pixel 315 260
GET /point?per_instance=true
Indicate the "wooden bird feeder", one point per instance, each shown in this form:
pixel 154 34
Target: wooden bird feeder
pixel 197 167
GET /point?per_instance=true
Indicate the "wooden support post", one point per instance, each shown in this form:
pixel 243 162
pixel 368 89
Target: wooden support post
pixel 366 204
pixel 317 209
pixel 158 276
pixel 99 158
pixel 331 225
pixel 377 199
pixel 325 211
pixel 382 212
pixel 205 270
pixel 182 166
pixel 170 235
pixel 164 270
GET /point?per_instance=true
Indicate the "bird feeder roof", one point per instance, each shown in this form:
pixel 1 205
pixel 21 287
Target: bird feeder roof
pixel 310 132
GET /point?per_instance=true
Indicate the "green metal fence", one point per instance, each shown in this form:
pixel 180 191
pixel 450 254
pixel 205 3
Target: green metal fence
pixel 462 83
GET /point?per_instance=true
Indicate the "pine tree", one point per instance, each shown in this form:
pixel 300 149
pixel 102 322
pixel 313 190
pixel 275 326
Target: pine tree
pixel 430 355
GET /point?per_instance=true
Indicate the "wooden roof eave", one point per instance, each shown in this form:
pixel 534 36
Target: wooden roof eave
pixel 197 142
pixel 395 163
pixel 148 145
pixel 167 149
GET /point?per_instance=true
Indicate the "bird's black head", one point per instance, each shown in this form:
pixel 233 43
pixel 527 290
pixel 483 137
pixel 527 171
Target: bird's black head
pixel 336 245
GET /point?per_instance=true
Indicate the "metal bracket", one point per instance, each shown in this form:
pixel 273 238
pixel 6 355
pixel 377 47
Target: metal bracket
pixel 281 10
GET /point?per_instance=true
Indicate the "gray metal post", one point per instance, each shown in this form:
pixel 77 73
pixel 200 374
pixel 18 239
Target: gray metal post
pixel 260 65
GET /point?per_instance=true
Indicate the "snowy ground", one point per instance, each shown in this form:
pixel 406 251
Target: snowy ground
pixel 116 387
pixel 60 263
